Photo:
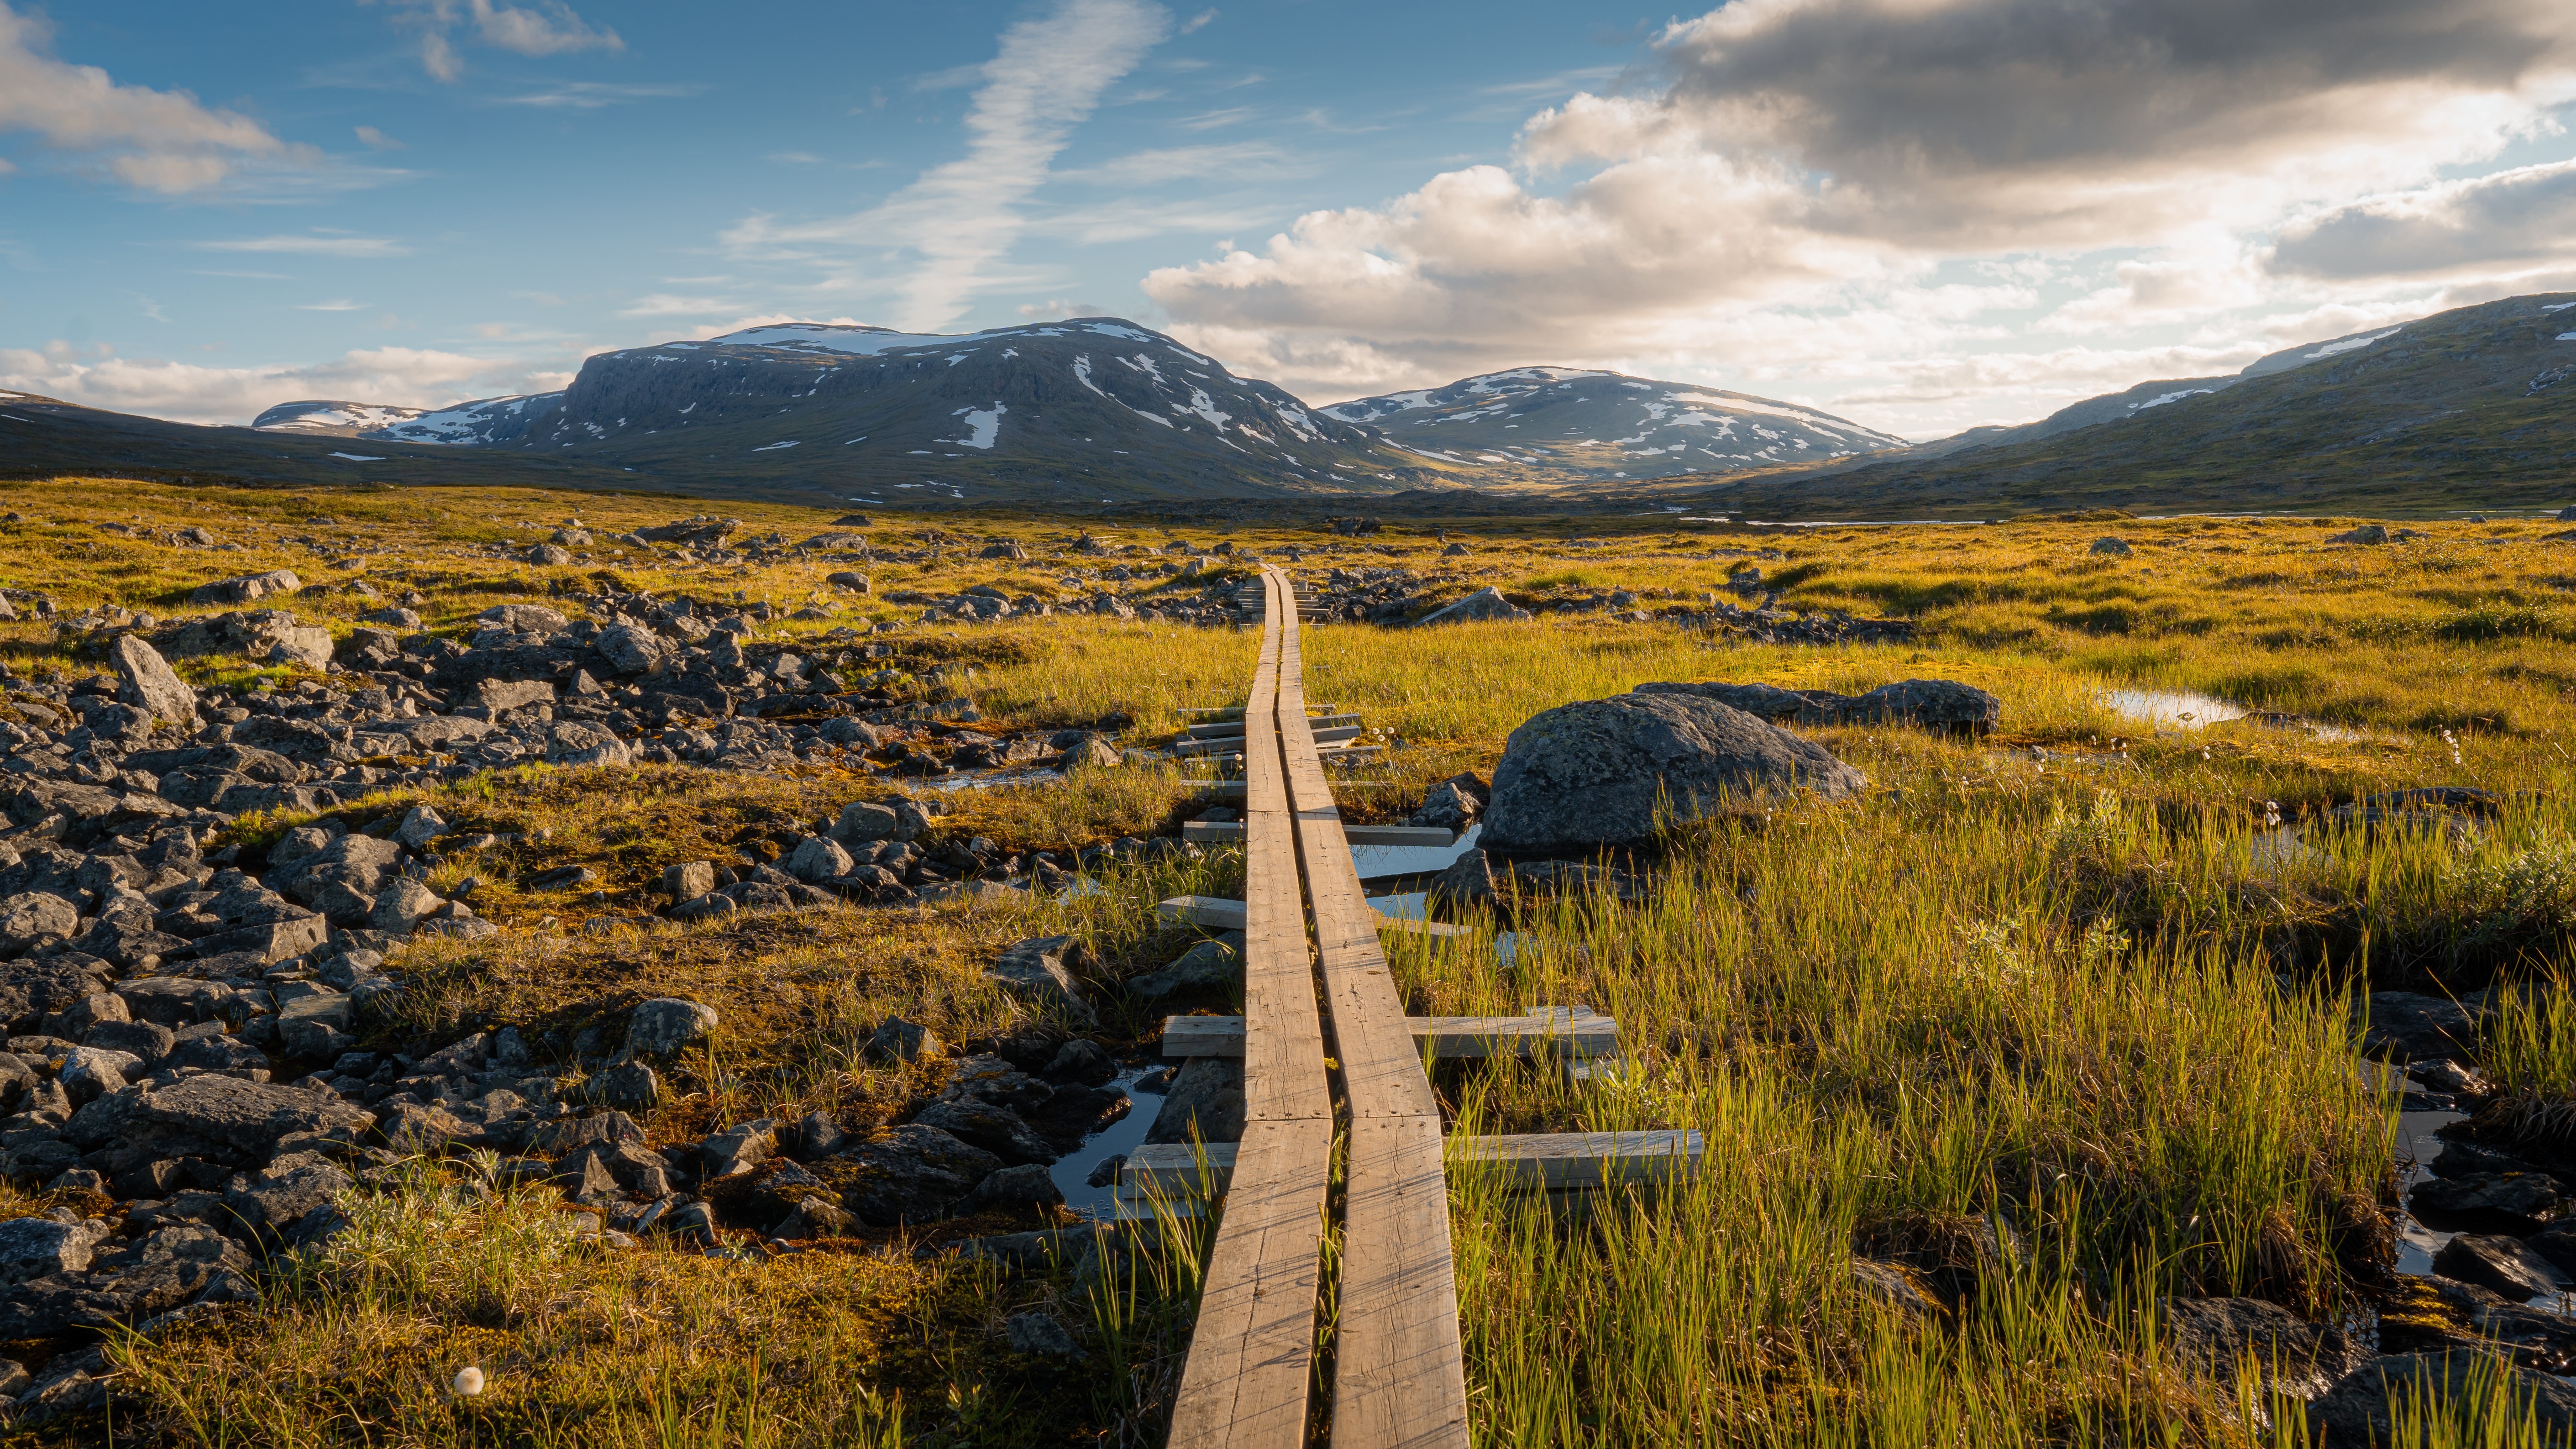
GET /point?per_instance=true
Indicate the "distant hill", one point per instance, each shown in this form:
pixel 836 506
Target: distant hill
pixel 1561 425
pixel 1090 410
pixel 2467 409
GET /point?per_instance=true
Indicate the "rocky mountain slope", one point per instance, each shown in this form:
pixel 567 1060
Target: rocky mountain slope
pixel 1566 425
pixel 2468 409
pixel 1085 411
pixel 333 419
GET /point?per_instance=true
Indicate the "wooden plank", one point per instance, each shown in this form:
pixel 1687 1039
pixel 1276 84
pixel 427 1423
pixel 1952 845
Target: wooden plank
pixel 1234 727
pixel 1234 743
pixel 1246 1381
pixel 1425 836
pixel 1399 1376
pixel 1522 1162
pixel 1218 914
pixel 1544 1032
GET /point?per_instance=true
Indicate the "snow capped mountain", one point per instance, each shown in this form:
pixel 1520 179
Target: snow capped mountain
pixel 332 419
pixel 1094 407
pixel 1561 424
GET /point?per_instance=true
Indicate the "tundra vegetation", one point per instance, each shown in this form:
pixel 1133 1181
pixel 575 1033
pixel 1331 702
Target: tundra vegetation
pixel 2001 1065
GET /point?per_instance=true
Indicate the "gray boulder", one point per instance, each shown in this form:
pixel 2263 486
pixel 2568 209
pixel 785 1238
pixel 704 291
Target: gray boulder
pixel 818 858
pixel 912 1174
pixel 1600 772
pixel 2403 1026
pixel 2294 1356
pixel 246 589
pixel 2507 1266
pixel 1207 966
pixel 572 742
pixel 2114 547
pixel 1485 603
pixel 525 618
pixel 627 649
pixel 1945 705
pixel 402 906
pixel 1036 972
pixel 145 680
pixel 994 1129
pixel 31 918
pixel 2364 1408
pixel 38 1247
pixel 1206 1102
pixel 667 1025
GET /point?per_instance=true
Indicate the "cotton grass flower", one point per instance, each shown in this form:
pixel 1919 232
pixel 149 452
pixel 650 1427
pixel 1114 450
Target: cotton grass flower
pixel 469 1382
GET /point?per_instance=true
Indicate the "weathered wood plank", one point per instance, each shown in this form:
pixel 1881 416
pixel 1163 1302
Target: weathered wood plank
pixel 1217 914
pixel 1425 836
pixel 1247 1378
pixel 1546 1032
pixel 1399 1377
pixel 1523 1162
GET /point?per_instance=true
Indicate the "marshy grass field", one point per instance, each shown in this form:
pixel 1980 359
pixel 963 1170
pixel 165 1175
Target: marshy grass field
pixel 2060 1026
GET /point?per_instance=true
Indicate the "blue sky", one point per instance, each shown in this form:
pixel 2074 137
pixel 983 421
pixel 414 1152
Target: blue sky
pixel 1922 215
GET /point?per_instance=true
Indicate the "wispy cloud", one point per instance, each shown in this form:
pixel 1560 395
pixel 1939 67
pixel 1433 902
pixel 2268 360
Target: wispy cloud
pixel 318 244
pixel 959 220
pixel 666 304
pixel 1197 22
pixel 341 306
pixel 1210 120
pixel 547 28
pixel 378 139
pixel 592 95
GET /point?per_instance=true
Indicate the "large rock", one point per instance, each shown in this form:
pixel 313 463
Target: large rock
pixel 1944 705
pixel 1600 772
pixel 525 618
pixel 2403 1026
pixel 666 1026
pixel 2364 1408
pixel 991 1128
pixel 1485 603
pixel 1205 1103
pixel 1036 971
pixel 627 649
pixel 909 1174
pixel 572 742
pixel 246 589
pixel 818 858
pixel 36 1247
pixel 2499 1264
pixel 33 917
pixel 2294 1356
pixel 145 680
pixel 222 1119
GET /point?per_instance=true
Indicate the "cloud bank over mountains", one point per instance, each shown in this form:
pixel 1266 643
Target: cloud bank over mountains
pixel 1822 189
pixel 1920 214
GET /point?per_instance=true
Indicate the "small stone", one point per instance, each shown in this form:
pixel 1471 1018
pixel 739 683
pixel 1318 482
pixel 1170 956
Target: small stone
pixel 690 881
pixel 1039 1336
pixel 2111 547
pixel 901 1041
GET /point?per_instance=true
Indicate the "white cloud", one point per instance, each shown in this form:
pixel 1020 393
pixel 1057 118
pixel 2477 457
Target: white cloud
pixel 958 221
pixel 547 28
pixel 343 305
pixel 1803 168
pixel 164 141
pixel 372 137
pixel 2519 218
pixel 592 95
pixel 668 304
pixel 187 392
pixel 319 244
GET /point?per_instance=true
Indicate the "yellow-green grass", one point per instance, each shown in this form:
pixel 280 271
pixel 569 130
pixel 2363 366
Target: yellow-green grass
pixel 2068 979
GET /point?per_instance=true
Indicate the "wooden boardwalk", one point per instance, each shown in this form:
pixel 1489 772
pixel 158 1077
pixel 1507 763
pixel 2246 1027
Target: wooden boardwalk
pixel 1397 1375
pixel 1324 1027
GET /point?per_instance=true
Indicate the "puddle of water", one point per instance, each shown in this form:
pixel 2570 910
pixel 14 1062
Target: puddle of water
pixel 1072 1171
pixel 1376 862
pixel 2185 709
pixel 2416 1243
pixel 2179 708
